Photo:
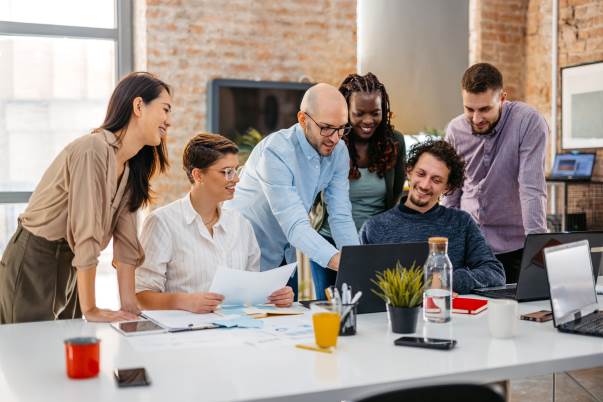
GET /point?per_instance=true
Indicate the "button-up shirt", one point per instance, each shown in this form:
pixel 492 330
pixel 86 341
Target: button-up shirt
pixel 81 200
pixel 181 254
pixel 279 183
pixel 504 187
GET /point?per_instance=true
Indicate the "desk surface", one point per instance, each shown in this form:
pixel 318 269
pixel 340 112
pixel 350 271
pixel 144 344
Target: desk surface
pixel 216 365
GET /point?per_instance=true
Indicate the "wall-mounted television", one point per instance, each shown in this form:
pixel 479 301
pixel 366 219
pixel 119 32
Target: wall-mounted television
pixel 236 106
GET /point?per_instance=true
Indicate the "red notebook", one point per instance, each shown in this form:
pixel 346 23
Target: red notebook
pixel 466 305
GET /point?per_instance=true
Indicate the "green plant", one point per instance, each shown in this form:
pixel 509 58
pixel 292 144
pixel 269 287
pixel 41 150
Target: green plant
pixel 246 142
pixel 400 286
pixel 434 132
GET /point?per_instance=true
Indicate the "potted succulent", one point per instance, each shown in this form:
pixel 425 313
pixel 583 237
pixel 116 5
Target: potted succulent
pixel 402 291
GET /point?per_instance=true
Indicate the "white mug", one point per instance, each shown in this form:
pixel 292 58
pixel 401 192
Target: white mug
pixel 502 318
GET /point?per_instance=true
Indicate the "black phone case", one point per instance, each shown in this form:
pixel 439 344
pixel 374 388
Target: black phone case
pixel 136 381
pixel 440 346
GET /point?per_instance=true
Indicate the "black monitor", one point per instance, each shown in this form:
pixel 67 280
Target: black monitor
pixel 236 106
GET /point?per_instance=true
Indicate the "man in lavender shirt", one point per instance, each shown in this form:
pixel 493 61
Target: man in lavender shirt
pixel 503 144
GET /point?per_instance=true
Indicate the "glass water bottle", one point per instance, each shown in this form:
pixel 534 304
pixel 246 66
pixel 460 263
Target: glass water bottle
pixel 437 296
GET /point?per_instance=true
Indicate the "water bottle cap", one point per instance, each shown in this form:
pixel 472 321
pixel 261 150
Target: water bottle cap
pixel 437 240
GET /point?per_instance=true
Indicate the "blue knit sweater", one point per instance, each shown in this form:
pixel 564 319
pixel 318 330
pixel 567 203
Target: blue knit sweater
pixel 474 263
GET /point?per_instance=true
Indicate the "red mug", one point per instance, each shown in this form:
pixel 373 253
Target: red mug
pixel 82 356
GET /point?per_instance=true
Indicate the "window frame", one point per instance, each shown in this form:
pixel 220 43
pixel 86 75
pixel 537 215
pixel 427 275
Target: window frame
pixel 124 61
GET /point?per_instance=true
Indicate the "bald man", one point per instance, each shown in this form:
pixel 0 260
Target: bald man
pixel 286 171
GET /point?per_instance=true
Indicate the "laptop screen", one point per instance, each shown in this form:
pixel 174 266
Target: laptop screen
pixel 572 166
pixel 571 282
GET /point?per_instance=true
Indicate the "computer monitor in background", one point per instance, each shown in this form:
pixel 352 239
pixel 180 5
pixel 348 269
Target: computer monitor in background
pixel 236 106
pixel 575 167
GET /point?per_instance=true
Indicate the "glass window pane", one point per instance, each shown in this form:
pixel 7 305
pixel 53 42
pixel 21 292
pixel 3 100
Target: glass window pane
pixel 88 13
pixel 52 91
pixel 8 222
pixel 107 291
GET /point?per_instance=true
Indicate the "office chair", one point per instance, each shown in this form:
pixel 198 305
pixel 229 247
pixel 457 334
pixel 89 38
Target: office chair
pixel 438 393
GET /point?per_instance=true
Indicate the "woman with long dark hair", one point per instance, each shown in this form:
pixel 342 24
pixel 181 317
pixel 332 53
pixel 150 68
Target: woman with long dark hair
pixel 376 161
pixel 89 195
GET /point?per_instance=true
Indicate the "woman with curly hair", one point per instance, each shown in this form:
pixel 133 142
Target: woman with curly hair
pixel 376 162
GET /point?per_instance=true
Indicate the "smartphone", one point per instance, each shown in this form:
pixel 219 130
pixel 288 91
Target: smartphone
pixel 138 327
pixel 430 343
pixel 538 316
pixel 133 377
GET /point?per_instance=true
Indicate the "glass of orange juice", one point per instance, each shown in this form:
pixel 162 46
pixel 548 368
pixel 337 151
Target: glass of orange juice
pixel 325 320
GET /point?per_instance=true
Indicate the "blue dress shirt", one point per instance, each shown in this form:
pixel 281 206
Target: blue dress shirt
pixel 279 183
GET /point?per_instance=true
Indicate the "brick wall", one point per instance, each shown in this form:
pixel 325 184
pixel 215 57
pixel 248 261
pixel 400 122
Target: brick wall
pixel 581 41
pixel 189 42
pixel 526 62
pixel 498 36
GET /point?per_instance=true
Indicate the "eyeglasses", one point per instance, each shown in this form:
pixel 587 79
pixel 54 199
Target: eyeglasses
pixel 329 131
pixel 229 173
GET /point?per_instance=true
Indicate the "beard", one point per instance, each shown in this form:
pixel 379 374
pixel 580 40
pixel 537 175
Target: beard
pixel 417 202
pixel 489 127
pixel 486 130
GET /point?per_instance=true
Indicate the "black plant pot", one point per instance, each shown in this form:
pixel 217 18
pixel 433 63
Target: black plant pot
pixel 403 319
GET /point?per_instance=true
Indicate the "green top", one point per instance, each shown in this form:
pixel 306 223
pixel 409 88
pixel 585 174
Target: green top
pixel 367 195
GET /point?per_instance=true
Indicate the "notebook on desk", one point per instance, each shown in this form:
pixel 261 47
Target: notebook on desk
pixel 532 281
pixel 179 320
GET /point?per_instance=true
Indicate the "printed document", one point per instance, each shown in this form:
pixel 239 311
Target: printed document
pixel 250 288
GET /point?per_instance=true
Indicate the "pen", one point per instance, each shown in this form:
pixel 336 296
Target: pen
pixel 356 297
pixel 344 293
pixel 337 298
pixel 314 348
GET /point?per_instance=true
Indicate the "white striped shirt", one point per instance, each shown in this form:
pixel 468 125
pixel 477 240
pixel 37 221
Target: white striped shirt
pixel 181 255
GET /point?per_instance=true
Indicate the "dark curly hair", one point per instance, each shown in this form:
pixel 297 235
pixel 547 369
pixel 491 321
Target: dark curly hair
pixel 444 152
pixel 382 150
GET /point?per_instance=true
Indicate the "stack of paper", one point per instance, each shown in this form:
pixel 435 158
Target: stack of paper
pixel 250 288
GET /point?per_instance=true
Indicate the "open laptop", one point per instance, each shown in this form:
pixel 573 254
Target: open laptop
pixel 573 167
pixel 359 264
pixel 573 296
pixel 532 282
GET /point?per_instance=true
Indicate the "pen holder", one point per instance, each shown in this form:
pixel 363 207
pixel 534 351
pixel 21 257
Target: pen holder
pixel 348 321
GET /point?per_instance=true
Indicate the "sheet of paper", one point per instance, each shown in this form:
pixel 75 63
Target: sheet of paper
pixel 246 287
pixel 174 320
pixel 279 331
pixel 240 322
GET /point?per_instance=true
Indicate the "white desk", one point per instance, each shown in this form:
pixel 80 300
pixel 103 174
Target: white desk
pixel 32 364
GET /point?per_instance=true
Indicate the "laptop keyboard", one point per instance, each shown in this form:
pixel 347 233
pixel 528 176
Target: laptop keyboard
pixel 508 293
pixel 591 324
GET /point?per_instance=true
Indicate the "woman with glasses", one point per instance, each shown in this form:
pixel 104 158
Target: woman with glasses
pixel 188 240
pixel 376 162
pixel 89 195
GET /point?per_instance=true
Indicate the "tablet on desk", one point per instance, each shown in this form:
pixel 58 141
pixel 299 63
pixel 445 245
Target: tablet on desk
pixel 137 327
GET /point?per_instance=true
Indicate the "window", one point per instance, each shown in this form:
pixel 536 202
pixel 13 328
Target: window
pixel 59 61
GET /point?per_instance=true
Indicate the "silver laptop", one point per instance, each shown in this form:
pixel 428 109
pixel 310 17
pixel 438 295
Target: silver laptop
pixel 572 287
